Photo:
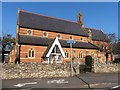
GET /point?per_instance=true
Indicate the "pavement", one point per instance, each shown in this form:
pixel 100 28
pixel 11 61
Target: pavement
pixel 84 81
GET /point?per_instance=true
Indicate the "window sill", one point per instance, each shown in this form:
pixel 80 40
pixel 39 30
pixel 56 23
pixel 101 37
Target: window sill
pixel 67 58
pixel 31 57
pixel 80 58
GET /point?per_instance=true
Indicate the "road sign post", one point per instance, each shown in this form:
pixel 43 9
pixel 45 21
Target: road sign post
pixel 71 57
pixel 71 42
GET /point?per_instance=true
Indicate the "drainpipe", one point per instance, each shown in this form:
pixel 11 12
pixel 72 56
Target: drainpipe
pixel 19 53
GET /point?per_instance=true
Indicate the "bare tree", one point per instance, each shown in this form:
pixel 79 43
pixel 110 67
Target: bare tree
pixel 113 41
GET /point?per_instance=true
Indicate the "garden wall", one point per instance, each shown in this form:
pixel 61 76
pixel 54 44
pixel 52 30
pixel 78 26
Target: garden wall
pixel 40 70
pixel 106 68
pixel 36 70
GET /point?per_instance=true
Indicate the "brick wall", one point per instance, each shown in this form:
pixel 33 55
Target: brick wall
pixel 40 33
pixel 24 54
pixel 39 51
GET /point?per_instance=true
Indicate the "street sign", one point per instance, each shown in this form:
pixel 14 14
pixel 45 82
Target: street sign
pixel 71 41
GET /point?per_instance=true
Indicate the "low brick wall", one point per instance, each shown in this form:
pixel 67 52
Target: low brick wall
pixel 35 70
pixel 106 68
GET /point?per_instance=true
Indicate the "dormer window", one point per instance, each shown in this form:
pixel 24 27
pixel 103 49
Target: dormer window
pixel 71 37
pixel 59 36
pixel 45 34
pixel 29 32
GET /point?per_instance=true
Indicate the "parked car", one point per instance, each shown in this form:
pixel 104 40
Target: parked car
pixel 116 58
pixel 6 56
pixel 0 56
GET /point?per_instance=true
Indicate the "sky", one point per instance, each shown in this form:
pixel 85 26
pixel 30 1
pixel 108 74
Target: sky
pixel 99 15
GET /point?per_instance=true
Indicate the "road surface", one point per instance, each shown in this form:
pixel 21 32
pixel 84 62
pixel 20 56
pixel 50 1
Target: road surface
pixel 89 81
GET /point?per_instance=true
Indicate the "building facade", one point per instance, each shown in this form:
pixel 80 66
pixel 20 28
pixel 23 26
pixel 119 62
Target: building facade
pixel 41 38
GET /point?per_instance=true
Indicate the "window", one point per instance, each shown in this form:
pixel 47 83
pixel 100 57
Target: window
pixel 59 36
pixel 71 37
pixel 31 53
pixel 80 55
pixel 45 34
pixel 29 32
pixel 98 53
pixel 74 52
pixel 92 55
pixel 81 39
pixel 87 53
pixel 66 54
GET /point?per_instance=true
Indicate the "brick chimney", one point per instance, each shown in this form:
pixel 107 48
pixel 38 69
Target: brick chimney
pixel 79 19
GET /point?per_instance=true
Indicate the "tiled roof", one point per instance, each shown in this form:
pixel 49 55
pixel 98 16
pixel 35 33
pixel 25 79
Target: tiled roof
pixel 98 35
pixel 48 48
pixel 40 41
pixel 40 22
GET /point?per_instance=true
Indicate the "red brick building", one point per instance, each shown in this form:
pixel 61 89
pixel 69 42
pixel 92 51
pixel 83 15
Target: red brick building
pixel 42 38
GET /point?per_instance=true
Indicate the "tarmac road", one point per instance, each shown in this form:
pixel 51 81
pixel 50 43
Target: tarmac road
pixel 88 81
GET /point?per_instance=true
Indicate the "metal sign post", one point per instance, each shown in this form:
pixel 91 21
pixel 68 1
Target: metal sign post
pixel 71 42
pixel 71 57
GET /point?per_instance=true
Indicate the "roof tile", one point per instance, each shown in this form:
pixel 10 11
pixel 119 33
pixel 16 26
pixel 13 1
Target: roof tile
pixel 31 20
pixel 40 41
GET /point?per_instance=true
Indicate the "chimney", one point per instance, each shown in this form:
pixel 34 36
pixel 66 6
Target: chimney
pixel 80 19
pixel 18 10
pixel 90 35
